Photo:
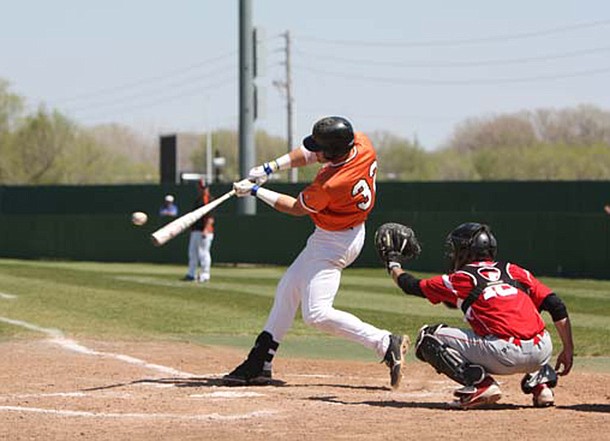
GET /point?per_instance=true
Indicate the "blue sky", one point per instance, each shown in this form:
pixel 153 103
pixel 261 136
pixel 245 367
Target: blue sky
pixel 412 68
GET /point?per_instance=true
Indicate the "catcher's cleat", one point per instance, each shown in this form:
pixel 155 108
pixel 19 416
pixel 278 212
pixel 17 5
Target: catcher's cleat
pixel 244 375
pixel 394 357
pixel 470 397
pixel 543 396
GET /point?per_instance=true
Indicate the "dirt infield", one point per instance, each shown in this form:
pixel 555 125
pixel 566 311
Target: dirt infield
pixel 94 390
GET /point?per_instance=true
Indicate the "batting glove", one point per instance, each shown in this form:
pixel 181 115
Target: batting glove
pixel 244 187
pixel 261 173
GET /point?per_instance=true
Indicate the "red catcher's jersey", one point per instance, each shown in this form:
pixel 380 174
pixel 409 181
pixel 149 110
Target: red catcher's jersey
pixel 343 194
pixel 501 309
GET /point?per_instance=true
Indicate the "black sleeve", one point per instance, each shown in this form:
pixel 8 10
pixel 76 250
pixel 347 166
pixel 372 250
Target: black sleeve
pixel 555 306
pixel 410 285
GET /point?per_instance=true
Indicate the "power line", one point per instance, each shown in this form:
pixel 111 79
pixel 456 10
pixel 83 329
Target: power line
pixel 468 82
pixel 470 63
pixel 148 80
pixel 126 102
pixel 434 119
pixel 463 41
pixel 159 99
pixel 179 83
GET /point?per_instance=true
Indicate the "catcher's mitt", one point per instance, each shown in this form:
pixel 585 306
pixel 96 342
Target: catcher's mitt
pixel 396 243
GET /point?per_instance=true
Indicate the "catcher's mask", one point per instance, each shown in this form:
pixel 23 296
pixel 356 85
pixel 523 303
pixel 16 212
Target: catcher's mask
pixel 470 242
pixel 333 136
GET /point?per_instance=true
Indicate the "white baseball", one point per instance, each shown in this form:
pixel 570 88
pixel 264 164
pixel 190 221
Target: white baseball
pixel 139 218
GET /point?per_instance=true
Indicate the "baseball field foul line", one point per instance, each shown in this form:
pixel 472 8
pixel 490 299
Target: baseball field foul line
pixel 57 337
pixel 6 296
pixel 80 413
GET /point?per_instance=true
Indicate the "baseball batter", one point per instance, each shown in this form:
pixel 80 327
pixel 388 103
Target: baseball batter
pixel 338 201
pixel 501 303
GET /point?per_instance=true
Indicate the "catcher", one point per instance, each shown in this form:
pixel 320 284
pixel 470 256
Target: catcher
pixel 501 302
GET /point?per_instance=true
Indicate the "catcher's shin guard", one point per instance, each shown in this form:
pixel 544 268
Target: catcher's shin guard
pixel 445 359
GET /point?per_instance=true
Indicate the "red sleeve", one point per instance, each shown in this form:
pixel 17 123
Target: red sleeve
pixel 538 291
pixel 447 288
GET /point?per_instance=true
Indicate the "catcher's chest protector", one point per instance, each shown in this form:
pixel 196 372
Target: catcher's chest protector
pixel 487 275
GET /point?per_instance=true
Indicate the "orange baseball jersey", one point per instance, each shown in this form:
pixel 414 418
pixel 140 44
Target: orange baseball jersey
pixel 206 223
pixel 343 194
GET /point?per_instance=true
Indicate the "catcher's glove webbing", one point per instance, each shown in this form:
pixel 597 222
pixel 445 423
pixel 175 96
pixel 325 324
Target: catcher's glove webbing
pixel 396 243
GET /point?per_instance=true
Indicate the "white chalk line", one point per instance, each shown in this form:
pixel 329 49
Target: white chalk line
pixel 57 337
pixel 155 281
pixel 319 376
pixel 156 385
pixel 80 413
pixel 227 394
pixel 6 296
pixel 69 395
pixel 418 394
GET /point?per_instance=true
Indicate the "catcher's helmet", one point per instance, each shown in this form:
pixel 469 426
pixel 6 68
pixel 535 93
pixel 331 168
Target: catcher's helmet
pixel 333 136
pixel 470 242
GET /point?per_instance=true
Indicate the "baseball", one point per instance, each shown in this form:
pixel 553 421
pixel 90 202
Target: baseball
pixel 138 218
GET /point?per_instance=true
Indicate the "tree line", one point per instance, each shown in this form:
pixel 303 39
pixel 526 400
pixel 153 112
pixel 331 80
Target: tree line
pixel 44 147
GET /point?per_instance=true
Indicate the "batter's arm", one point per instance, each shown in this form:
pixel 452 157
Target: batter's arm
pixel 289 205
pixel 295 158
pixel 301 156
pixel 280 201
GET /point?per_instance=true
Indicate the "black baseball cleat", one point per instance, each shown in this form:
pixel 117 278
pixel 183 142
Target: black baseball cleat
pixel 394 357
pixel 244 375
pixel 252 371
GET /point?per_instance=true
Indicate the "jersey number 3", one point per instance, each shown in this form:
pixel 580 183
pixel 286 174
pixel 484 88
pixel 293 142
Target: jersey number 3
pixel 363 188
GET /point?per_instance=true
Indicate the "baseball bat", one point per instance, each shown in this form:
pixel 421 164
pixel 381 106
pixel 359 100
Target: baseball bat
pixel 175 227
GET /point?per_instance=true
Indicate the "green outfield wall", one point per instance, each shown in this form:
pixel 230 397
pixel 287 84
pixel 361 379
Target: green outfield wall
pixel 553 228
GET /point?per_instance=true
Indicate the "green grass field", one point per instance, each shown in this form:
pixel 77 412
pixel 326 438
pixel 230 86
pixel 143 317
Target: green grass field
pixel 147 302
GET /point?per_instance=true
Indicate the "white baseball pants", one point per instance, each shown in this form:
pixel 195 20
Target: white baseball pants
pixel 313 281
pixel 199 255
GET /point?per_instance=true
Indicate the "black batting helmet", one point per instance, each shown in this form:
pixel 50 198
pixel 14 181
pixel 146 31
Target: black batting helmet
pixel 333 136
pixel 470 242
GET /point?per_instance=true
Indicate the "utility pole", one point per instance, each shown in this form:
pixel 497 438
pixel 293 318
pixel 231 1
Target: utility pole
pixel 247 153
pixel 286 88
pixel 294 172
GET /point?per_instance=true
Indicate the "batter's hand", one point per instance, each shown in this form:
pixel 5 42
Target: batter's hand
pixel 260 173
pixel 243 188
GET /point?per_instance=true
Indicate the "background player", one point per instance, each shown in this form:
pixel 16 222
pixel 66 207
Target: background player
pixel 200 240
pixel 501 302
pixel 169 207
pixel 338 201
